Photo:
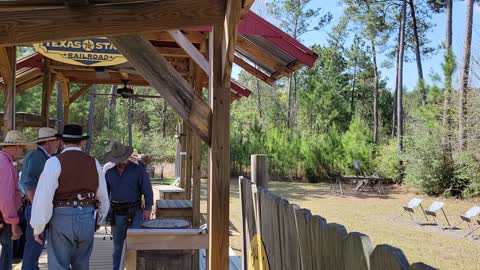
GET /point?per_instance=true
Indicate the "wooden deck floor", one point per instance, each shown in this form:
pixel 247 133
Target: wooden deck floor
pixel 101 258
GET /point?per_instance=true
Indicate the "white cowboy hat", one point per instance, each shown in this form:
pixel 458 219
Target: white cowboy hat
pixel 46 134
pixel 15 137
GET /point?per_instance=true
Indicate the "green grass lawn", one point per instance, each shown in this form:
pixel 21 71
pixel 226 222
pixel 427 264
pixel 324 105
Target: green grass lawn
pixel 165 180
pixel 367 213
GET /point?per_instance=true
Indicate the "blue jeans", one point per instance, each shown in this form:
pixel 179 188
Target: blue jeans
pixel 7 248
pixel 32 250
pixel 70 238
pixel 119 233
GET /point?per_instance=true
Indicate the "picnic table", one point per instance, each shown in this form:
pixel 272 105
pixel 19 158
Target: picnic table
pixel 170 192
pixel 375 183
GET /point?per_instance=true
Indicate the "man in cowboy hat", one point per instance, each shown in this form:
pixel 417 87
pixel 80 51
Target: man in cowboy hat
pixel 34 162
pixel 12 149
pixel 127 182
pixel 69 190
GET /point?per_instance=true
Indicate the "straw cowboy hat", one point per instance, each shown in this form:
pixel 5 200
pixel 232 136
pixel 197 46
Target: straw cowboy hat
pixel 72 132
pixel 46 134
pixel 118 153
pixel 15 137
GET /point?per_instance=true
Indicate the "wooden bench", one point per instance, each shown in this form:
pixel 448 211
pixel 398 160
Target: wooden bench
pixel 181 209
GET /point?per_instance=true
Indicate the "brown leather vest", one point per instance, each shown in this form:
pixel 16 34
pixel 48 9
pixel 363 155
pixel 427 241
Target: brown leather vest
pixel 79 175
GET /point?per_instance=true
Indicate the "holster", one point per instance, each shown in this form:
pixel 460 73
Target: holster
pixel 124 209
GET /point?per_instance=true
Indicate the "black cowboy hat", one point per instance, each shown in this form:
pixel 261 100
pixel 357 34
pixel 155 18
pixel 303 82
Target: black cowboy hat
pixel 72 132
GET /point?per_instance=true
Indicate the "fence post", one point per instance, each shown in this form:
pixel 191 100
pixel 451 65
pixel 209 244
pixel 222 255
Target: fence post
pixel 259 163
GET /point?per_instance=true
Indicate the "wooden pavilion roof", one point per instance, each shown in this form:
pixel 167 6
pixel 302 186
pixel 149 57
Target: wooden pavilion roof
pixel 262 50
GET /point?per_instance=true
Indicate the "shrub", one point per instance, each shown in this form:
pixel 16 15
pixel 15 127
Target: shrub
pixel 386 161
pixel 357 145
pixel 322 155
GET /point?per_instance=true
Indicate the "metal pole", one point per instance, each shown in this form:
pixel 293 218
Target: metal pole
pixel 130 122
pixel 91 113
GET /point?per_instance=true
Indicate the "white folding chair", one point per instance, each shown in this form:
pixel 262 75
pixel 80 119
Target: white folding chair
pixel 410 209
pixel 434 208
pixel 468 218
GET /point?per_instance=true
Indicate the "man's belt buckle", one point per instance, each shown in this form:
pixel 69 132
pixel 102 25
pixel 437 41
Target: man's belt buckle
pixel 75 204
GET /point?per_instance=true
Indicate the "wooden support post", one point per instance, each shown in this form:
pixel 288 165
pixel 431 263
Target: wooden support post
pixel 146 59
pixel 197 151
pixel 218 157
pixel 7 70
pixel 188 162
pixel 65 86
pixel 259 170
pixel 183 154
pixel 47 88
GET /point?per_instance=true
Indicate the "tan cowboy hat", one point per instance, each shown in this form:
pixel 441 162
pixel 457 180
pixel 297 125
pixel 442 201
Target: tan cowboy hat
pixel 15 137
pixel 118 153
pixel 46 134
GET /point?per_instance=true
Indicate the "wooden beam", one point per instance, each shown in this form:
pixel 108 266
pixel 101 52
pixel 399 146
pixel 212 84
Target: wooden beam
pixel 79 93
pixel 252 70
pixel 66 101
pixel 193 36
pixel 144 57
pixel 47 88
pixel 76 3
pixel 246 5
pixel 191 50
pixel 28 75
pixel 197 155
pixel 28 84
pixel 42 25
pixel 218 157
pixel 261 55
pixel 7 67
pixel 230 25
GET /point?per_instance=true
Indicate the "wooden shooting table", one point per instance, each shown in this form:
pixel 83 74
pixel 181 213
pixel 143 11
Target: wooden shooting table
pixel 179 209
pixel 170 192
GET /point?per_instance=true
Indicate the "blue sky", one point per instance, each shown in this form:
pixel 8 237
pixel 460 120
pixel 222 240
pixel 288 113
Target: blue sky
pixel 437 36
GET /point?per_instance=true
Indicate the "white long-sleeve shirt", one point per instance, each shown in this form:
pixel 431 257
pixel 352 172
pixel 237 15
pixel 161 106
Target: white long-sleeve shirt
pixel 42 207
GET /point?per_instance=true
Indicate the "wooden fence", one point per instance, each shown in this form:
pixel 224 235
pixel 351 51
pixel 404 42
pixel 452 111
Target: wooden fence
pixel 294 239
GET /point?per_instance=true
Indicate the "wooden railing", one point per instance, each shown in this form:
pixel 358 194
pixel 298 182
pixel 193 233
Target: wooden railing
pixel 294 239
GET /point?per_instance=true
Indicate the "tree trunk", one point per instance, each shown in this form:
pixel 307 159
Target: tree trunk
pixel 401 50
pixel 465 72
pixel 164 119
pixel 352 98
pixel 448 40
pixel 375 93
pixel 418 56
pixel 259 100
pixel 446 120
pixel 289 109
pixel 394 115
pixel 129 116
pixel 113 106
